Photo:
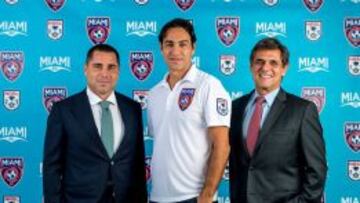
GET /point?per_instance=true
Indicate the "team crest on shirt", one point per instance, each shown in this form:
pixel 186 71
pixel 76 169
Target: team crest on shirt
pixel 185 98
pixel 12 169
pixel 313 5
pixel 313 30
pixel 98 29
pixel 354 170
pixel 227 64
pixel 11 99
pixel 55 5
pixel 227 29
pixel 148 168
pixel 352 30
pixel 55 29
pixel 11 199
pixel 52 95
pixel 316 95
pixel 141 64
pixel 271 2
pixel 12 64
pixel 352 135
pixel 141 96
pixel 222 106
pixel 354 65
pixel 184 4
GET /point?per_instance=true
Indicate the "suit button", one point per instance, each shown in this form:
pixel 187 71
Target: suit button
pixel 112 163
pixel 113 194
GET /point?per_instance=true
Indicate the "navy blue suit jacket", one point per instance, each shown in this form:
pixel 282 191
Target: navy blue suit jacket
pixel 76 167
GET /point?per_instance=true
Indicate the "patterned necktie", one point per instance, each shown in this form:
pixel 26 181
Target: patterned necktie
pixel 107 131
pixel 254 125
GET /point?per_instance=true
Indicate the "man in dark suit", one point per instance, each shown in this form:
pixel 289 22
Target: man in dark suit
pixel 94 149
pixel 277 147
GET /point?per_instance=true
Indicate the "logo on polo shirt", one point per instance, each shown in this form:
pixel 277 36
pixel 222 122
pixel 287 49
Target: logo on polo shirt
pixel 12 169
pixel 352 135
pixel 222 106
pixel 186 97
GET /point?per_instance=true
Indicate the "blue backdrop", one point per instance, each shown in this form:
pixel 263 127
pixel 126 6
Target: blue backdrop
pixel 43 45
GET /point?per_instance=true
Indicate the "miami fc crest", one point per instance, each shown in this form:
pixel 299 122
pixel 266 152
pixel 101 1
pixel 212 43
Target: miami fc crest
pixel 12 64
pixel 227 29
pixel 11 99
pixel 354 65
pixel 98 29
pixel 185 98
pixel 313 5
pixel 313 30
pixel 352 30
pixel 12 169
pixel 352 135
pixel 316 95
pixel 55 29
pixel 55 5
pixel 141 96
pixel 141 64
pixel 184 4
pixel 354 170
pixel 227 64
pixel 52 95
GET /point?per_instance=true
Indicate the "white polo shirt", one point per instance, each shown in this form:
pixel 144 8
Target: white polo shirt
pixel 178 120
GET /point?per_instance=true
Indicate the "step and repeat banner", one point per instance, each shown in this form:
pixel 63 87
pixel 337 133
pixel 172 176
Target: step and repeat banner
pixel 42 52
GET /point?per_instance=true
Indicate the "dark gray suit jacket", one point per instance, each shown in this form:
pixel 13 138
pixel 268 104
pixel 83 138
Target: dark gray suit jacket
pixel 288 164
pixel 76 167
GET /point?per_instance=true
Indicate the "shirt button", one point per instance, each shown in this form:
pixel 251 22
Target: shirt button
pixel 112 163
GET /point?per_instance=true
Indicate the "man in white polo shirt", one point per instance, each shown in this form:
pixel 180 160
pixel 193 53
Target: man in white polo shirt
pixel 189 117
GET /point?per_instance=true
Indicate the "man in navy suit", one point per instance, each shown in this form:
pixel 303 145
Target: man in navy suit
pixel 277 146
pixel 90 157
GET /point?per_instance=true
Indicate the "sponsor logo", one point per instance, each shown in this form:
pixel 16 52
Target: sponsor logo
pixel 313 30
pixel 12 169
pixel 141 2
pixel 11 99
pixel 352 30
pixel 11 199
pixel 13 133
pixel 11 2
pixel 354 65
pixel 12 64
pixel 141 96
pixel 354 170
pixel 271 2
pixel 352 135
pixel 270 29
pixel 313 5
pixel 55 63
pixel 98 29
pixel 313 64
pixel 184 5
pixel 227 29
pixel 141 64
pixel 222 106
pixel 227 64
pixel 55 29
pixel 13 28
pixel 52 95
pixel 141 28
pixel 316 95
pixel 148 168
pixel 350 99
pixel 55 5
pixel 185 98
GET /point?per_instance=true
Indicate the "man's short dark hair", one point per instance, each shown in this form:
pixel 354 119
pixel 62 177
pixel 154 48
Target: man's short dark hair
pixel 102 48
pixel 178 23
pixel 271 44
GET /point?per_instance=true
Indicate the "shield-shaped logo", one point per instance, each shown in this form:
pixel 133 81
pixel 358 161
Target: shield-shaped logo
pixel 141 96
pixel 55 5
pixel 185 98
pixel 316 95
pixel 184 4
pixel 98 29
pixel 12 169
pixel 352 30
pixel 354 65
pixel 352 135
pixel 227 64
pixel 55 29
pixel 313 30
pixel 313 5
pixel 141 64
pixel 227 29
pixel 271 2
pixel 12 64
pixel 52 95
pixel 148 168
pixel 222 106
pixel 11 99
pixel 11 199
pixel 354 170
pixel 11 2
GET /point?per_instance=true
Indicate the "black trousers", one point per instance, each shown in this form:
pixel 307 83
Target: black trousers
pixel 192 200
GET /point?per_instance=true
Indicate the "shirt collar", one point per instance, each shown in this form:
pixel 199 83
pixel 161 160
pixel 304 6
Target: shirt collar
pixel 190 76
pixel 94 99
pixel 269 98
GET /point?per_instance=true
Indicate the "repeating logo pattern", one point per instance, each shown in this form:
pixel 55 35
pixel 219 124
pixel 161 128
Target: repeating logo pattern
pixel 352 30
pixel 12 64
pixel 12 170
pixel 55 5
pixel 98 29
pixel 141 96
pixel 313 30
pixel 352 135
pixel 228 29
pixel 52 95
pixel 55 29
pixel 11 99
pixel 227 64
pixel 316 95
pixel 354 170
pixel 141 63
pixel 184 5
